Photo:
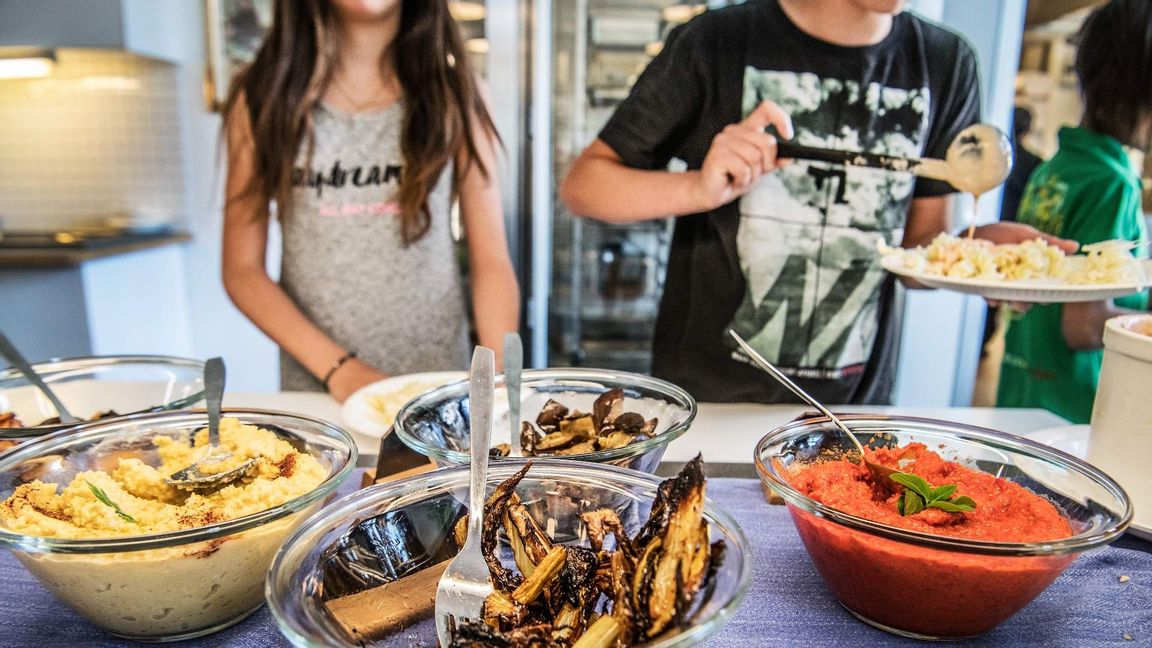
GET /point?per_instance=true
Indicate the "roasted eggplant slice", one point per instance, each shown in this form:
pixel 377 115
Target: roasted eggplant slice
pixel 607 407
pixel 549 418
pixel 617 593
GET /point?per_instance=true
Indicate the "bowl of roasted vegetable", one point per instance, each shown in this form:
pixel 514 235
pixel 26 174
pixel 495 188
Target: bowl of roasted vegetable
pixel 578 554
pixel 595 415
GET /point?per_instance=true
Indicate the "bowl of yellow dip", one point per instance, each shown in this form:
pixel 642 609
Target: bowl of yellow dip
pixel 90 514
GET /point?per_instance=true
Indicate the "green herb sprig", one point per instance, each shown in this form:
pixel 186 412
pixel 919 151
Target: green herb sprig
pixel 107 501
pixel 919 494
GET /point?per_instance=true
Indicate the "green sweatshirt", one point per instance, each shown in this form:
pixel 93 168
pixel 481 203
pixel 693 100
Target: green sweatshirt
pixel 1088 192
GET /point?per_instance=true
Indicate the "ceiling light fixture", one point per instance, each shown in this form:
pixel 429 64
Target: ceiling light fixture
pixel 466 11
pixel 26 62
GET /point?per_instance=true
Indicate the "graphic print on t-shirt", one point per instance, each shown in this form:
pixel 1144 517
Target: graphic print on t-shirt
pixel 338 177
pixel 808 233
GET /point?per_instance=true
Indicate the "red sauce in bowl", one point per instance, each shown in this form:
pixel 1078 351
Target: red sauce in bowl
pixel 919 590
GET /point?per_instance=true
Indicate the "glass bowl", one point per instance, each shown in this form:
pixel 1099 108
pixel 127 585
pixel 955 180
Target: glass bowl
pixel 436 423
pixel 393 530
pixel 88 386
pixel 930 586
pixel 165 586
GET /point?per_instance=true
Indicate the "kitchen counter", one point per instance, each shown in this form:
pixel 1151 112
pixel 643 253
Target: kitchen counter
pixel 71 255
pixel 724 432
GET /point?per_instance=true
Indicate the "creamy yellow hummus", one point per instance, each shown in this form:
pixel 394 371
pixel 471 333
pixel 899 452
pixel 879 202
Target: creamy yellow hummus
pixel 147 504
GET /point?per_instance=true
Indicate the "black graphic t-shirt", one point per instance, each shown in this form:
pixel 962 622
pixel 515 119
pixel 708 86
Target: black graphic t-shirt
pixel 792 265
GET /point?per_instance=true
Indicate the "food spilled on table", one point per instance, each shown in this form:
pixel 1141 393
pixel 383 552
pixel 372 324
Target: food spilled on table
pixel 559 430
pixel 621 590
pixel 131 497
pixel 957 257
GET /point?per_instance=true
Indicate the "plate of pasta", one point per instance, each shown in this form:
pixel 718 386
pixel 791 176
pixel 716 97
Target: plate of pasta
pixel 371 409
pixel 1032 271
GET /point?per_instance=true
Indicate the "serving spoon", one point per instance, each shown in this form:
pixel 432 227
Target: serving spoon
pixel 513 365
pixel 882 473
pixel 191 477
pixel 978 159
pixel 17 359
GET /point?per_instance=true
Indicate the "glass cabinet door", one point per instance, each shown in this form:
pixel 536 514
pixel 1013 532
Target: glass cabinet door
pixel 606 279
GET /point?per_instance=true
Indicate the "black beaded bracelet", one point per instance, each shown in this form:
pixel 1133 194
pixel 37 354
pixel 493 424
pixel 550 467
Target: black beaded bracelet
pixel 336 365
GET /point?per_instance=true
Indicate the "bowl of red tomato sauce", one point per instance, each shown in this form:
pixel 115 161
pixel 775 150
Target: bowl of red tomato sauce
pixel 969 527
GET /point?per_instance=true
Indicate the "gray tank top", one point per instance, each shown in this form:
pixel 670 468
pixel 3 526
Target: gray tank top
pixel 401 309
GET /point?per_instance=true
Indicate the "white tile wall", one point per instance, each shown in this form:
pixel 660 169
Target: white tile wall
pixel 100 136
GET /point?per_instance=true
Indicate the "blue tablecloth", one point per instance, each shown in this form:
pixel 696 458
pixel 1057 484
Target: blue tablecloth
pixel 787 604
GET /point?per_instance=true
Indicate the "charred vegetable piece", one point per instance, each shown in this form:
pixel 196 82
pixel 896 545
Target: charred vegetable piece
pixel 663 585
pixel 541 576
pixel 529 542
pixel 629 422
pixel 614 594
pixel 529 437
pixel 607 407
pixel 649 428
pixel 563 439
pixel 9 420
pixel 582 427
pixel 579 448
pixel 615 440
pixel 494 508
pixel 602 634
pixel 549 417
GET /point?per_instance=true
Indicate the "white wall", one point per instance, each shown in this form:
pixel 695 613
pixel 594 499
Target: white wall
pixel 174 30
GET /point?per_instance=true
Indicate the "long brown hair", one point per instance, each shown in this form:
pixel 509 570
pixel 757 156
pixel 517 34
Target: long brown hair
pixel 443 108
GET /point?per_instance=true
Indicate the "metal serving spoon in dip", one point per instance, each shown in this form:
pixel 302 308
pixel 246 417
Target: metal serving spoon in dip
pixel 192 478
pixel 882 473
pixel 13 355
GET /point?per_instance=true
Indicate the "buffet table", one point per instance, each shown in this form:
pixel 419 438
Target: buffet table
pixel 787 603
pixel 724 432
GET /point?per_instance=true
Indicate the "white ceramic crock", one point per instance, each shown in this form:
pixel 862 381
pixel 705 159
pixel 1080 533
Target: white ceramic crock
pixel 1121 440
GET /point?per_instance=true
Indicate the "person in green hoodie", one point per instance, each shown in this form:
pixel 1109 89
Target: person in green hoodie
pixel 1090 191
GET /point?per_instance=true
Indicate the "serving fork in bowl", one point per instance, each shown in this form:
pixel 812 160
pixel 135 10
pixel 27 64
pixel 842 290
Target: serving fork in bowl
pixel 465 583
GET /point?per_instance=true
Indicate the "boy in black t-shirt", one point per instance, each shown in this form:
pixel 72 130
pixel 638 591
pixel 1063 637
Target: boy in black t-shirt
pixel 785 254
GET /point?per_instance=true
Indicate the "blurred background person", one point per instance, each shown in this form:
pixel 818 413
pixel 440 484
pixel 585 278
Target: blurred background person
pixel 1089 191
pixel 362 122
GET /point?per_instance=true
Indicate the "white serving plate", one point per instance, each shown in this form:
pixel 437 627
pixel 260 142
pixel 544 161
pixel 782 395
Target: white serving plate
pixel 363 414
pixel 1035 291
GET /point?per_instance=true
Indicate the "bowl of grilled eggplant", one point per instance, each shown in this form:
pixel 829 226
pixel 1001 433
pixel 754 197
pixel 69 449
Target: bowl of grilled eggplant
pixel 578 554
pixel 596 415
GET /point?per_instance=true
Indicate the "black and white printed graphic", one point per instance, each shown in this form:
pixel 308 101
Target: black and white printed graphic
pixel 808 233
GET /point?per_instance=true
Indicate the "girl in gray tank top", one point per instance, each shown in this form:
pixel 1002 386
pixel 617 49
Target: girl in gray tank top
pixel 363 130
pixel 345 265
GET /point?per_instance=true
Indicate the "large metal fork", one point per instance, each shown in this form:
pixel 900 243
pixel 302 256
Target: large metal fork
pixel 465 584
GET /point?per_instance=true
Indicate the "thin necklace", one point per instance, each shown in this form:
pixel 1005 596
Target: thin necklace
pixel 361 106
